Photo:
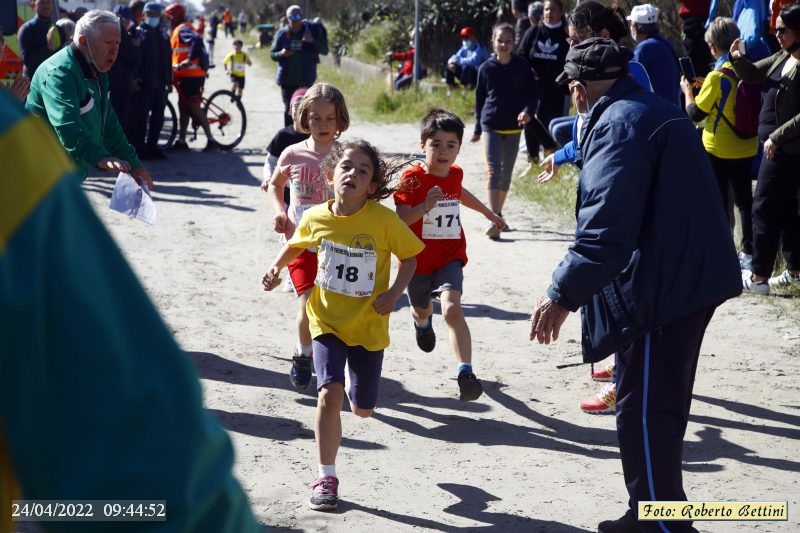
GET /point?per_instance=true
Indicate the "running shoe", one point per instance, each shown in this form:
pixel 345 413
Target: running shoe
pixel 324 494
pixel 754 287
pixel 604 402
pixel 745 261
pixel 604 374
pixel 785 280
pixel 469 387
pixel 493 232
pixel 426 338
pixel 300 375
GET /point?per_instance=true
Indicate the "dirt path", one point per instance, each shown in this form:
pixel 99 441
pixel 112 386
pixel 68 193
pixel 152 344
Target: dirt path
pixel 523 457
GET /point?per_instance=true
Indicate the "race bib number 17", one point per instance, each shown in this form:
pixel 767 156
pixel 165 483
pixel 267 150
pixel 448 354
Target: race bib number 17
pixel 345 270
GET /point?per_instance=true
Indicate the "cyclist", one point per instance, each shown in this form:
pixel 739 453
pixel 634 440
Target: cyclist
pixel 189 64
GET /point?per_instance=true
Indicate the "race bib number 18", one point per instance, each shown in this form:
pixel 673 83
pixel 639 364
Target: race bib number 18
pixel 443 221
pixel 345 270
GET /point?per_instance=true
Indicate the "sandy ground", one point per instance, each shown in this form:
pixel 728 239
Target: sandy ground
pixel 523 457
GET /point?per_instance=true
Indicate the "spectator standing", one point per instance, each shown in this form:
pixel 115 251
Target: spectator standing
pixel 154 81
pixel 506 97
pixel 70 91
pixel 121 75
pixel 137 11
pixel 213 23
pixel 227 21
pixel 189 66
pixel 731 156
pixel 242 21
pixel 693 15
pixel 545 46
pixel 648 267
pixel 535 12
pixel 519 10
pixel 296 49
pixel 81 335
pixel 465 62
pixel 777 196
pixel 655 53
pixel 38 38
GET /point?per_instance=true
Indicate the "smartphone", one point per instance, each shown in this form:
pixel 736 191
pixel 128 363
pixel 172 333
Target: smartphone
pixel 743 47
pixel 687 68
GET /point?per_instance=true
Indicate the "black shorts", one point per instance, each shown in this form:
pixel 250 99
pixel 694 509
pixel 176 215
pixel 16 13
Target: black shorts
pixel 191 88
pixel 238 80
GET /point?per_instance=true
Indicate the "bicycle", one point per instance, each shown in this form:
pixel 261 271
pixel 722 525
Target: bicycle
pixel 226 116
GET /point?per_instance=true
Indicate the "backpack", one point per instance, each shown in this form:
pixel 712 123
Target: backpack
pixel 746 107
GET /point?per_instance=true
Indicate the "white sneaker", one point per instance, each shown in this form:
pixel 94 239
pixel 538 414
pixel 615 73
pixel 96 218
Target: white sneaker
pixel 745 261
pixel 754 287
pixel 287 284
pixel 785 280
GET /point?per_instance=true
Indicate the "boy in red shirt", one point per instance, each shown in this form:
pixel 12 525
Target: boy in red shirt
pixel 428 200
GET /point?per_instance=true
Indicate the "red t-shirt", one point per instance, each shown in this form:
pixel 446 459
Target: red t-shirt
pixel 414 186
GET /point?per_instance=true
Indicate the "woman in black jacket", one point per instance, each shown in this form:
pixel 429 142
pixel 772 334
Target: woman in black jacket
pixel 777 197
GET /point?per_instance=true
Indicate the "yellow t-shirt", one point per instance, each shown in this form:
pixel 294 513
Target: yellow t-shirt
pixel 237 63
pixel 374 228
pixel 724 144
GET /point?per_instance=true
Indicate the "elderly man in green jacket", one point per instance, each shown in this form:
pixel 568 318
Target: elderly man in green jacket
pixel 70 91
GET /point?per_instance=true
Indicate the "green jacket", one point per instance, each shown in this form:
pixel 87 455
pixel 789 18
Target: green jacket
pixel 787 101
pixel 73 98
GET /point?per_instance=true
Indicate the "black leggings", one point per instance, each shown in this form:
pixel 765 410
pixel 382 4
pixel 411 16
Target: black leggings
pixel 736 174
pixel 775 213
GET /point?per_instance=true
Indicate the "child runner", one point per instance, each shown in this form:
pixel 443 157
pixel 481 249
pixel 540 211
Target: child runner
pixel 428 200
pixel 322 112
pixel 506 97
pixel 350 304
pixel 234 65
pixel 282 139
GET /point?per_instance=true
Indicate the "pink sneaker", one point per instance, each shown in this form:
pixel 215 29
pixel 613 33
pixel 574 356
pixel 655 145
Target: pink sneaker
pixel 324 494
pixel 604 402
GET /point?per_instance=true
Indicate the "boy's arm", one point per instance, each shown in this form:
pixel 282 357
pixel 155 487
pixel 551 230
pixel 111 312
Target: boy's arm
pixel 385 302
pixel 411 213
pixel 272 278
pixel 470 200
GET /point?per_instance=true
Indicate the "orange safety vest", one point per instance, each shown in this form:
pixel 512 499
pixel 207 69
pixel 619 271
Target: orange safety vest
pixel 227 18
pixel 181 51
pixel 201 26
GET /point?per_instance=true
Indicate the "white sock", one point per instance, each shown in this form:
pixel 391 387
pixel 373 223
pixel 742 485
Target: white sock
pixel 326 471
pixel 305 349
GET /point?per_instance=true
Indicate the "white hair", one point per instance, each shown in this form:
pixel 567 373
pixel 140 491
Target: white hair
pixel 89 24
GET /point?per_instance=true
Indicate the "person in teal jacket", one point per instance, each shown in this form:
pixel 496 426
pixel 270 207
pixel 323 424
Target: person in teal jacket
pixel 97 401
pixel 70 91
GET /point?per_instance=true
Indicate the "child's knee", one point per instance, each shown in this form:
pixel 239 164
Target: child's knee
pixel 362 413
pixel 452 312
pixel 331 396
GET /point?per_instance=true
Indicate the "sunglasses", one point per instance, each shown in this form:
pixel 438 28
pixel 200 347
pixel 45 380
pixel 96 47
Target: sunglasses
pixel 780 30
pixel 296 16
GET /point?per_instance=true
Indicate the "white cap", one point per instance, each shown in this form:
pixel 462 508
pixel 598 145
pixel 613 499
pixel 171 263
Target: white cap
pixel 643 14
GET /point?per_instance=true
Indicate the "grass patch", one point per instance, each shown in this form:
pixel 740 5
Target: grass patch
pixel 557 195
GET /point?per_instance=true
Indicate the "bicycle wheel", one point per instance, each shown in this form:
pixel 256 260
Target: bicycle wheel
pixel 169 129
pixel 226 118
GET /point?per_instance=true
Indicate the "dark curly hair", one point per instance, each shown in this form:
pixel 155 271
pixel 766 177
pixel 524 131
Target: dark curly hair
pixel 385 170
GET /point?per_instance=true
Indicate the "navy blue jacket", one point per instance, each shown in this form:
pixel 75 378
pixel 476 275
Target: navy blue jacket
pixel 155 69
pixel 502 92
pixel 652 242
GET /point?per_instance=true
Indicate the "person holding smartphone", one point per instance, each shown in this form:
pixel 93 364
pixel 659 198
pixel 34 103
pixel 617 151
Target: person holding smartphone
pixel 731 156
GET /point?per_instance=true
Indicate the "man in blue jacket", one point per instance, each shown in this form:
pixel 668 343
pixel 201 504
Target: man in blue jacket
pixel 655 53
pixel 648 267
pixel 465 62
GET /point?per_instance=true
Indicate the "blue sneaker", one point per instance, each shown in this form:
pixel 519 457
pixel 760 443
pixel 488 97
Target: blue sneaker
pixel 301 371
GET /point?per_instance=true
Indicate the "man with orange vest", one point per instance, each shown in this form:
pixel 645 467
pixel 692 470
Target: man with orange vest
pixel 189 65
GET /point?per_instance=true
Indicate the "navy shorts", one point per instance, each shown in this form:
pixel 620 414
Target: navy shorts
pixel 423 286
pixel 364 368
pixel 238 80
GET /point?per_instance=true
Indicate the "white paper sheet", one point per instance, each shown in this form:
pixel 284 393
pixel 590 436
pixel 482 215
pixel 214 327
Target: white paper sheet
pixel 133 200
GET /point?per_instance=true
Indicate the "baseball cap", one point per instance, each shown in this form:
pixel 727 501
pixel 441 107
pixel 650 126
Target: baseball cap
pixel 152 7
pixel 467 31
pixel 643 14
pixel 594 59
pixel 123 12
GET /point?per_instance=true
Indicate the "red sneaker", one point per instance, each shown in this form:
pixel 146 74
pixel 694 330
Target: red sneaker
pixel 604 402
pixel 603 374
